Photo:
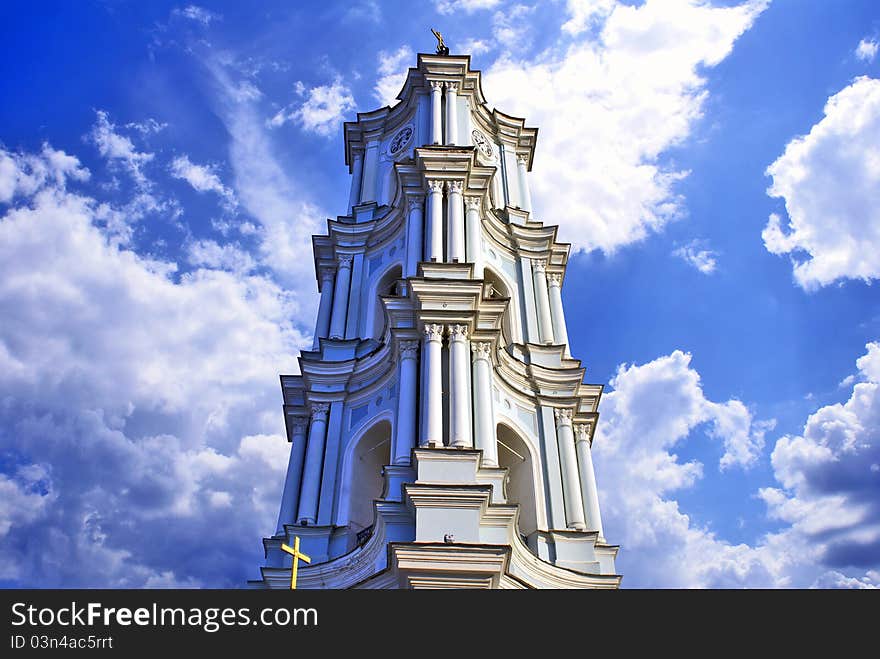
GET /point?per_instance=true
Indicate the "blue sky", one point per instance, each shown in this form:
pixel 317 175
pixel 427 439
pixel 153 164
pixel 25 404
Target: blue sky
pixel 714 164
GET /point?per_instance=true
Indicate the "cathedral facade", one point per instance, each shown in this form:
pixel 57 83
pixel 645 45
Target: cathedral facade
pixel 441 430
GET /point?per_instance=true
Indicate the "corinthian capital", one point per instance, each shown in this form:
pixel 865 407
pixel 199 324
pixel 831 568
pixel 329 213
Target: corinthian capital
pixel 554 279
pixel 458 332
pixel 344 260
pixel 319 411
pixel 481 350
pixel 454 186
pixel 539 265
pixel 451 86
pixel 582 432
pixel 298 426
pixel 522 158
pixel 415 203
pixel 433 332
pixel 435 186
pixel 473 203
pixel 563 416
pixel 408 349
pixel 436 85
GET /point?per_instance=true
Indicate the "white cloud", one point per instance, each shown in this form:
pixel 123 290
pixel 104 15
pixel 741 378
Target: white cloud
pixel 392 74
pixel 147 127
pixel 867 50
pixel 696 255
pixel 134 401
pixel 830 180
pixel 446 7
pixel 211 254
pixel 475 47
pixel 596 101
pixel 119 149
pixel 322 112
pixel 25 174
pixel 197 14
pixel 203 178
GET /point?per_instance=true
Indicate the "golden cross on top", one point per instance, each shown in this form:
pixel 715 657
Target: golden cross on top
pixel 297 557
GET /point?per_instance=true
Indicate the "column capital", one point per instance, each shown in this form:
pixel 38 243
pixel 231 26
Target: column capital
pixel 473 203
pixel 539 265
pixel 326 276
pixel 458 332
pixel 454 186
pixel 481 350
pixel 450 86
pixel 319 411
pixel 408 349
pixel 433 332
pixel 563 416
pixel 435 186
pixel 299 425
pixel 522 158
pixel 436 85
pixel 582 432
pixel 554 279
pixel 414 202
pixel 344 261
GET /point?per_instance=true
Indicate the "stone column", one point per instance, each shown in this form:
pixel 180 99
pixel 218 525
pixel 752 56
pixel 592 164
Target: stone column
pixel 290 496
pixel 432 387
pixel 571 487
pixel 455 222
pixel 474 235
pixel 484 413
pixel 451 113
pixel 311 478
pixel 340 297
pixel 436 113
pixel 434 250
pixel 405 430
pixel 459 401
pixel 322 326
pixel 545 322
pixel 414 237
pixel 354 198
pixel 588 479
pixel 560 333
pixel 524 194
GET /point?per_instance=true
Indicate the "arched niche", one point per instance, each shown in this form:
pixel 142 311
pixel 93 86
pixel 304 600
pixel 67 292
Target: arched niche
pixel 371 452
pixel 501 289
pixel 386 285
pixel 514 454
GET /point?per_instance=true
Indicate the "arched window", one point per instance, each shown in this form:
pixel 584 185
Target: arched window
pixel 372 453
pixel 515 455
pixel 386 286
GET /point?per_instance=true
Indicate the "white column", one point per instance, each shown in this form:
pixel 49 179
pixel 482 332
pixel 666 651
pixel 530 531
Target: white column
pixel 484 413
pixel 322 326
pixel 414 237
pixel 434 250
pixel 542 301
pixel 451 113
pixel 405 430
pixel 524 194
pixel 354 198
pixel 588 479
pixel 455 222
pixel 311 478
pixel 459 401
pixel 290 496
pixel 432 387
pixel 571 486
pixel 436 112
pixel 560 333
pixel 340 297
pixel 474 235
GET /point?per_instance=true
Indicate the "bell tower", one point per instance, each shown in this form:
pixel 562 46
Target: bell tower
pixel 441 430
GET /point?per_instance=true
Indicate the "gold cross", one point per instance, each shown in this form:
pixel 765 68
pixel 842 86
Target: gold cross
pixel 297 557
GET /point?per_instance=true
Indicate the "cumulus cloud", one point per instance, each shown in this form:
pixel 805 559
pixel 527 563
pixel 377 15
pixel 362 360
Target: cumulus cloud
pixel 638 63
pixel 133 402
pixel 830 181
pixel 698 256
pixel 867 50
pixel 203 178
pixel 392 74
pixel 211 254
pixel 323 110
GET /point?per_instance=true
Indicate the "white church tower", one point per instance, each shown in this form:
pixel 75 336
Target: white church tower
pixel 441 431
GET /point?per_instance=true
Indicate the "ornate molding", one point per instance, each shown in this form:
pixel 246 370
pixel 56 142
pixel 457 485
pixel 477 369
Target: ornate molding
pixel 454 187
pixel 481 350
pixel 408 349
pixel 435 186
pixel 563 416
pixel 458 332
pixel 433 332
